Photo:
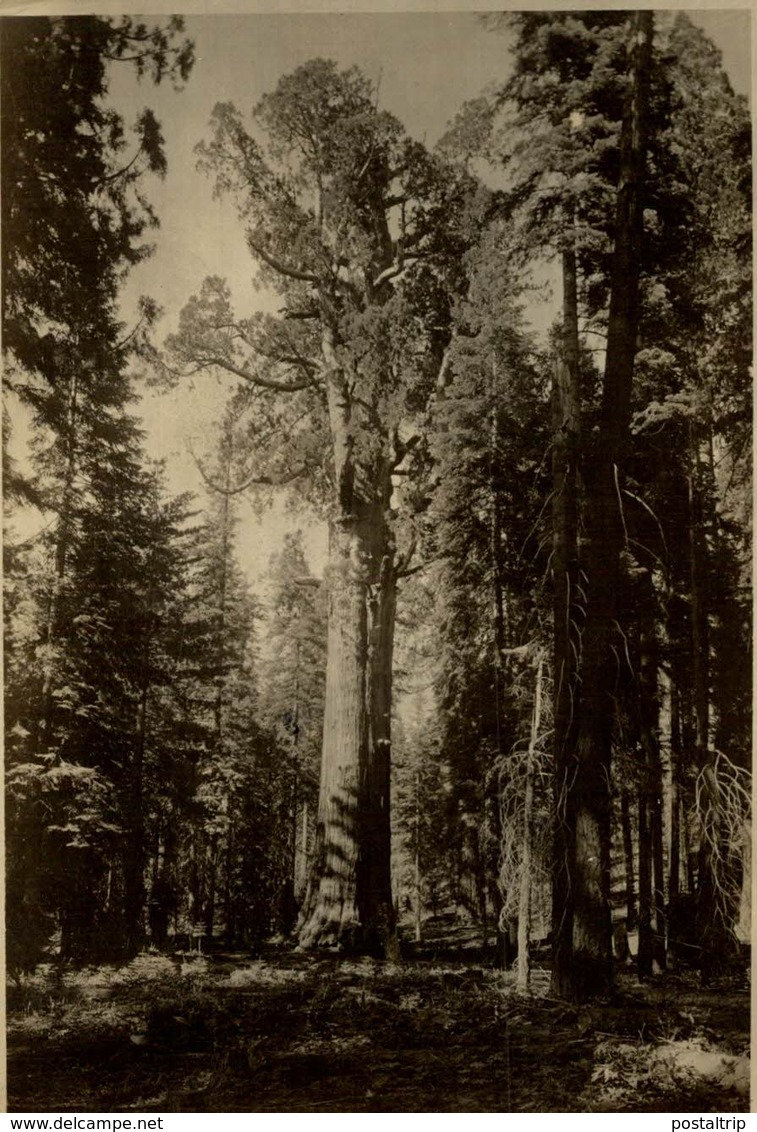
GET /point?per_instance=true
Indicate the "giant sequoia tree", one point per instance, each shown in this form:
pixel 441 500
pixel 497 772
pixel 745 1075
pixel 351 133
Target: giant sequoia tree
pixel 355 228
pixel 161 779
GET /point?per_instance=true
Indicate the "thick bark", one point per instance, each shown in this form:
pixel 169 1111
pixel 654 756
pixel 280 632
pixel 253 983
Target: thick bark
pixel 375 902
pixel 330 908
pixel 301 874
pixel 349 900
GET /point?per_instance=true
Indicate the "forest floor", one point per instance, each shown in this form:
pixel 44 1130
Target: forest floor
pixel 293 1032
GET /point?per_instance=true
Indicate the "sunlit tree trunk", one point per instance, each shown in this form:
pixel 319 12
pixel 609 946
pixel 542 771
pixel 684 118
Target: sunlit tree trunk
pixel 349 898
pixel 374 862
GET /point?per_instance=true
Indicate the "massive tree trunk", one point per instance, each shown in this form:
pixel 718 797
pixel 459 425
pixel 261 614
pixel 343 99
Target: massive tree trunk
pixel 330 909
pixel 589 973
pixel 348 902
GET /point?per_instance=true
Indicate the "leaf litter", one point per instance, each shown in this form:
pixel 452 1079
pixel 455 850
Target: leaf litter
pixel 299 1033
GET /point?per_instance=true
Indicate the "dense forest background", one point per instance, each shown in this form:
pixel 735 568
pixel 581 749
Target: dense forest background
pixel 519 690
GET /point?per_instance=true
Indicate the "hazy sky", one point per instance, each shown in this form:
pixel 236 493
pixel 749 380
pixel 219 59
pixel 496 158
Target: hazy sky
pixel 426 64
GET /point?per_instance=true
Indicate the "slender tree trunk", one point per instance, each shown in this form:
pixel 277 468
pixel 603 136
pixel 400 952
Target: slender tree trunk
pixel 417 862
pixel 671 835
pixel 502 957
pixel 659 917
pixel 628 857
pixel 651 904
pixel 566 418
pixel 644 956
pixel 229 911
pixel 195 883
pixel 481 893
pixel 710 928
pixel 688 744
pixel 524 895
pixel 158 904
pixel 43 730
pixel 134 862
pixel 288 906
pixel 590 973
pixel 209 917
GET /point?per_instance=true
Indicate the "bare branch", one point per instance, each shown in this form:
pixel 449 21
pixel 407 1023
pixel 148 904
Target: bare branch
pixel 282 268
pixel 255 378
pixel 299 315
pixel 395 269
pixel 253 481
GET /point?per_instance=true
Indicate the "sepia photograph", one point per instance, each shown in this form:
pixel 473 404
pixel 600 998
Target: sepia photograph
pixel 377 560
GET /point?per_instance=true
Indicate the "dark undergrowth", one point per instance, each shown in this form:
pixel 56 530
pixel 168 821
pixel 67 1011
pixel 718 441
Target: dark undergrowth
pixel 308 1033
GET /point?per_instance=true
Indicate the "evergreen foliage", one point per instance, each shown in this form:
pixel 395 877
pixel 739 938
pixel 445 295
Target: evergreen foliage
pixel 555 536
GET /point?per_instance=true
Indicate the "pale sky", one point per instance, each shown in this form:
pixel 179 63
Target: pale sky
pixel 426 64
